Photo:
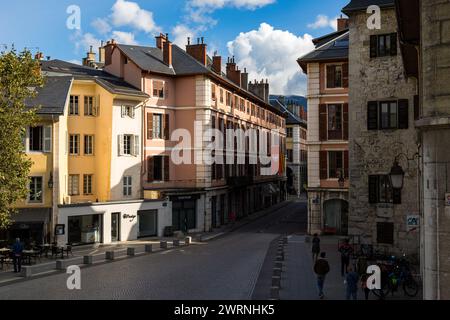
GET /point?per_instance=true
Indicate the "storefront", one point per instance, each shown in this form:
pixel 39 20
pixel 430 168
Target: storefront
pixel 87 229
pixel 184 212
pixel 148 223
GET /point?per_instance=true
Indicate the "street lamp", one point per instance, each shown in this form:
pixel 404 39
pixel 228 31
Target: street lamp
pixel 397 176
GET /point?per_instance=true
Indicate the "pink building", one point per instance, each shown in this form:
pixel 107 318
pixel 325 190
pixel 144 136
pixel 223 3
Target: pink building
pixel 188 88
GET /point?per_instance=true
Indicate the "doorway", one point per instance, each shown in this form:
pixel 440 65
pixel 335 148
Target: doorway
pixel 115 227
pixel 148 223
pixel 336 217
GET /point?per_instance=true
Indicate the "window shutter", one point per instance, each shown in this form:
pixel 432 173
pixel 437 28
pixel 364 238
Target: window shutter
pixel 323 122
pixel 372 115
pixel 346 163
pixel 149 126
pixel 133 112
pixel 123 111
pixel 373 46
pixel 345 75
pixel 397 196
pixel 47 139
pixel 136 146
pixel 373 189
pixel 120 144
pixel 393 44
pixel 167 127
pixel 345 120
pixel 416 107
pixel 166 168
pixel 97 106
pixel 323 165
pixel 150 167
pixel 403 114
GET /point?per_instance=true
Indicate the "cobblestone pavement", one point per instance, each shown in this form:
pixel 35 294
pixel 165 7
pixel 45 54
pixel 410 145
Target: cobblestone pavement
pixel 226 268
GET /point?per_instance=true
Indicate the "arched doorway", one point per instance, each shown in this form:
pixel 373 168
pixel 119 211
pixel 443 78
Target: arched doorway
pixel 335 216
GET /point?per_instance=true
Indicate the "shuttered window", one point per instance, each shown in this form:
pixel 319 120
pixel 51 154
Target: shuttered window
pixel 383 45
pixel 323 165
pixel 381 191
pixel 334 76
pixel 386 115
pixel 323 122
pixel 158 168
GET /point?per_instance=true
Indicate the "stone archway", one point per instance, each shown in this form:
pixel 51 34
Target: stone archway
pixel 335 217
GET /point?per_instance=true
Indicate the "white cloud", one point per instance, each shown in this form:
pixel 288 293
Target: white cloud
pixel 128 13
pixel 270 53
pixel 83 41
pixel 181 32
pixel 217 4
pixel 101 25
pixel 322 21
pixel 124 37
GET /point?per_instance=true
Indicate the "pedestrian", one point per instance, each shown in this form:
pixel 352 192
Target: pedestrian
pixel 364 287
pixel 346 251
pixel 17 250
pixel 315 248
pixel 351 282
pixel 321 268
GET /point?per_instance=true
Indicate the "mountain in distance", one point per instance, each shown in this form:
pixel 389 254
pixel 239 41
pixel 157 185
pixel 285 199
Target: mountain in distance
pixel 297 99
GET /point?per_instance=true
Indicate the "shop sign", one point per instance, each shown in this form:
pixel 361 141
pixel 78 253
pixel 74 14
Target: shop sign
pixel 185 197
pixel 412 223
pixel 129 216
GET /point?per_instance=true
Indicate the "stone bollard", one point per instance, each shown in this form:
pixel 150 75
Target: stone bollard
pixel 148 248
pixel 163 245
pixel 276 281
pixel 110 255
pixel 26 271
pixel 188 241
pixel 131 252
pixel 176 243
pixel 88 259
pixel 276 272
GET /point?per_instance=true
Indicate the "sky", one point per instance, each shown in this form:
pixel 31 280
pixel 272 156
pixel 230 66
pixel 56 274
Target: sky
pixel 264 36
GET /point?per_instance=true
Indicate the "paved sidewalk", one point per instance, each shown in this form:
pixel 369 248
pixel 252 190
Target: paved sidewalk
pixel 299 281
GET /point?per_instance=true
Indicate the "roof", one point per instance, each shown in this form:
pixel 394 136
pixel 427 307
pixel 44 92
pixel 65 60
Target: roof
pixel 290 117
pixel 362 5
pixel 324 39
pixel 109 82
pixel 52 96
pixel 335 49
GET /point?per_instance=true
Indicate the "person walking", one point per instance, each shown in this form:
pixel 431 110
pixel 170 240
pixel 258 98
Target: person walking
pixel 346 251
pixel 321 268
pixel 315 248
pixel 17 250
pixel 351 282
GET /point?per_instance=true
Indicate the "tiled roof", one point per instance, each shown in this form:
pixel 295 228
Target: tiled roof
pixel 291 118
pixel 108 81
pixel 52 96
pixel 360 5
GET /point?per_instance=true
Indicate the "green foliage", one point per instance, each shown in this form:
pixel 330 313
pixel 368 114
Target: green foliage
pixel 19 76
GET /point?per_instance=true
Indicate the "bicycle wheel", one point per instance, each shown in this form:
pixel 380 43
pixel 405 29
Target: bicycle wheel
pixel 411 287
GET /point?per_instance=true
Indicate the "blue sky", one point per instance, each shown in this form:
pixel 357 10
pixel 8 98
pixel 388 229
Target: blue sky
pixel 266 36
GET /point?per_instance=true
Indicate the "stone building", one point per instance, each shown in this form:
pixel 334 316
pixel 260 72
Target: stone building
pixel 425 44
pixel 327 141
pixel 382 132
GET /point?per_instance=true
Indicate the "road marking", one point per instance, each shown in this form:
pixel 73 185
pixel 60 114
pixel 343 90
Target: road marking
pixel 168 251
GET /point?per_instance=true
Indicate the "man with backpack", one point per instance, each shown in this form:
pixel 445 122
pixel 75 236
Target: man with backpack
pixel 321 268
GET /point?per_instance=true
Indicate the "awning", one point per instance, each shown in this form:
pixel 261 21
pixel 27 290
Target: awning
pixel 32 215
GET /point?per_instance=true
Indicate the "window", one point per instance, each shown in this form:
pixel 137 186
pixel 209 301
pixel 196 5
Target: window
pixel 334 122
pixel 229 102
pixel 289 132
pixel 213 92
pixel 157 126
pixel 40 139
pixel 385 232
pixel 334 76
pixel 158 168
pixel 74 182
pixel 89 145
pixel 221 95
pixel 129 145
pixel 388 115
pixel 128 111
pixel 290 155
pixel 35 195
pixel 127 186
pixel 89 108
pixel 74 105
pixel 381 191
pixel 335 164
pixel 74 144
pixel 87 184
pixel 158 89
pixel 383 45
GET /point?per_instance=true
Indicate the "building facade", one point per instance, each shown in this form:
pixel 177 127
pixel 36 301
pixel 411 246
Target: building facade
pixel 327 140
pixel 382 133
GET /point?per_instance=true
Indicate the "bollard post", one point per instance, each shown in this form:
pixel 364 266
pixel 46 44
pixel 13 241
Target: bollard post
pixel 131 252
pixel 148 248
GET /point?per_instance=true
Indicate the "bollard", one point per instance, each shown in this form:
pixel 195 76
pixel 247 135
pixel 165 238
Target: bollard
pixel 109 255
pixel 88 259
pixel 148 248
pixel 188 241
pixel 163 244
pixel 131 252
pixel 276 272
pixel 176 243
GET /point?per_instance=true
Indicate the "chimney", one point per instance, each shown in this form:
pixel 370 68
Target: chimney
pixel 260 89
pixel 217 64
pixel 342 23
pixel 244 79
pixel 39 56
pixel 197 51
pixel 233 73
pixel 160 41
pixel 167 51
pixel 108 51
pixel 101 53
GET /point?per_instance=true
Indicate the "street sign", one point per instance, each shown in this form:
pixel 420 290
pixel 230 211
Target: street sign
pixel 412 223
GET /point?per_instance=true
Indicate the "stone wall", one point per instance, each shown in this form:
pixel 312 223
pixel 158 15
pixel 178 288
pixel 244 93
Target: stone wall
pixel 373 152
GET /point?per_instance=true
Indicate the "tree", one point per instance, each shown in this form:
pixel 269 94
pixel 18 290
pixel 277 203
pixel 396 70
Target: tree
pixel 20 75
